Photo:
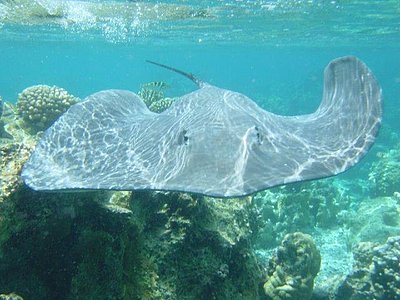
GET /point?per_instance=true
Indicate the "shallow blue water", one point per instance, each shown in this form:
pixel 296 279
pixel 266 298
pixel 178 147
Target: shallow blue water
pixel 83 68
pixel 264 49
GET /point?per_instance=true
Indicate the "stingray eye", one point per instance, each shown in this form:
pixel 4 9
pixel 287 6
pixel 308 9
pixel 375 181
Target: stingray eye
pixel 259 136
pixel 254 137
pixel 183 138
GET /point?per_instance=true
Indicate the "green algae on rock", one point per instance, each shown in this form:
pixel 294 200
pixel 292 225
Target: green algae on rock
pixel 40 105
pixel 169 246
pixel 198 247
pixel 64 240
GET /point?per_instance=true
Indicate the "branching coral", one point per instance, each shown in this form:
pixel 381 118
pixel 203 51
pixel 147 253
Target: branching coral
pixel 40 105
pixel 292 270
pixel 300 206
pixel 152 94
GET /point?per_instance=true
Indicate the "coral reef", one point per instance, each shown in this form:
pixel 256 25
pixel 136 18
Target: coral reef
pixel 376 272
pixel 12 159
pixel 300 206
pixel 72 247
pixel 15 148
pixel 172 246
pixel 198 247
pixel 153 96
pixel 292 270
pixel 374 220
pixel 384 174
pixel 6 116
pixel 40 105
pixel 336 262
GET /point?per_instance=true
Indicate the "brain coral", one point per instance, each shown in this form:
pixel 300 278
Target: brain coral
pixel 40 105
pixel 292 270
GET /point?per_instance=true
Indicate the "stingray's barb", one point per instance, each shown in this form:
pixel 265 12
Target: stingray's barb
pixel 193 78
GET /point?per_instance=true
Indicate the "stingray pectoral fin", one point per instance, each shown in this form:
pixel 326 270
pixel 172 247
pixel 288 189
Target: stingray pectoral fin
pixel 350 113
pixel 338 134
pixel 211 141
pixel 351 92
pixel 79 150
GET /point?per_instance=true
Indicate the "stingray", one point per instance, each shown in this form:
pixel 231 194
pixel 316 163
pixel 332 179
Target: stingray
pixel 212 141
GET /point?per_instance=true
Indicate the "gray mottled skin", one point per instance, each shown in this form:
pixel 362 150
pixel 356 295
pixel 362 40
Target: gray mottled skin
pixel 212 141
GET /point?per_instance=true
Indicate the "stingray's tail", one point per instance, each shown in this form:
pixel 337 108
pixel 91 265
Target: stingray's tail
pixel 193 78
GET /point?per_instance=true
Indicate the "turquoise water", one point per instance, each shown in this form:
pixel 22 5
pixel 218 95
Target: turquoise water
pixel 264 49
pixel 272 51
pixel 259 48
